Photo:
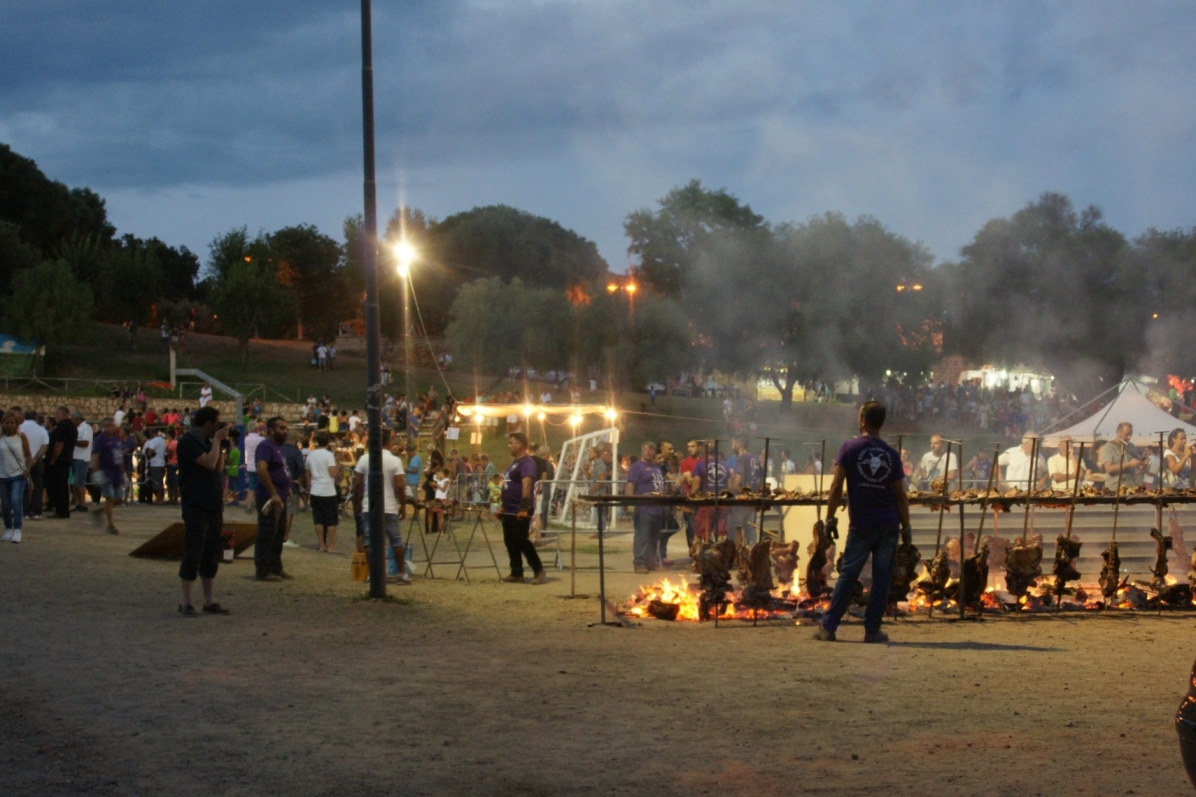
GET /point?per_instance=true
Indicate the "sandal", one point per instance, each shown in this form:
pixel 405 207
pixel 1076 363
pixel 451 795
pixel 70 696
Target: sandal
pixel 215 608
pixel 188 611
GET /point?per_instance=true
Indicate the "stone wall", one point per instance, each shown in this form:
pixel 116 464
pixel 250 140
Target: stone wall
pixel 96 408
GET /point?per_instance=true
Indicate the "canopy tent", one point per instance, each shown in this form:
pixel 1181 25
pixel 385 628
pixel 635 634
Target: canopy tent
pixel 1132 405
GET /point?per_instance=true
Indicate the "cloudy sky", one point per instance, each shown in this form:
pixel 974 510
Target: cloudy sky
pixel 192 118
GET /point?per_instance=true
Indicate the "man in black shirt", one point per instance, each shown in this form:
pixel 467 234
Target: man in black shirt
pixel 58 462
pixel 201 463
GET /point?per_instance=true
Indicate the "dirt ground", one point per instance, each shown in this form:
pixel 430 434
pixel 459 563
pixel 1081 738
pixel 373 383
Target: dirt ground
pixel 499 689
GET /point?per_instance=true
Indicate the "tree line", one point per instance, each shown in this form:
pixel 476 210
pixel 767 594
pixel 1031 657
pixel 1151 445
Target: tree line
pixel 717 286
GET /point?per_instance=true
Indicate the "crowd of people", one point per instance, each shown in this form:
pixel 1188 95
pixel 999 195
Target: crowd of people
pixel 1010 412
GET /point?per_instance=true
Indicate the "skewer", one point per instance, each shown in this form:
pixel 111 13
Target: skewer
pixel 1158 507
pixel 984 503
pixel 938 540
pixel 1030 489
pixel 962 534
pixel 821 472
pixel 1071 510
pixel 1117 495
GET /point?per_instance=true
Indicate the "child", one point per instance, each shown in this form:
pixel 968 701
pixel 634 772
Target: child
pixel 441 482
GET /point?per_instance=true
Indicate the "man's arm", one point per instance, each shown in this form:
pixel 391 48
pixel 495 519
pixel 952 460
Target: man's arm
pixel 401 494
pixel 835 499
pixel 358 492
pixel 263 477
pixel 525 501
pixel 213 459
pixel 898 488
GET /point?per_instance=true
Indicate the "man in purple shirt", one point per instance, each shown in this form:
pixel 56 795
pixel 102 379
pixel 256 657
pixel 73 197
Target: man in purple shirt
pixel 517 485
pixel 273 490
pixel 878 507
pixel 644 477
pixel 107 457
pixel 710 475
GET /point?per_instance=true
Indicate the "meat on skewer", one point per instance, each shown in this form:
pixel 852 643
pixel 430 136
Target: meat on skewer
pixel 905 570
pixel 1064 570
pixel 1110 574
pixel 975 577
pixel 784 562
pixel 713 562
pixel 816 567
pixel 1162 544
pixel 757 592
pixel 938 573
pixel 1023 566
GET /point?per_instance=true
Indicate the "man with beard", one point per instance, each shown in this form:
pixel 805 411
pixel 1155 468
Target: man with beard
pixel 517 511
pixel 273 490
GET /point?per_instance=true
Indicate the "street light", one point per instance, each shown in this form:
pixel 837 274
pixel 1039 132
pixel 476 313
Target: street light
pixel 405 254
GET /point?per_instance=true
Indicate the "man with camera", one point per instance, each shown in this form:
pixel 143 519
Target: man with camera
pixel 201 455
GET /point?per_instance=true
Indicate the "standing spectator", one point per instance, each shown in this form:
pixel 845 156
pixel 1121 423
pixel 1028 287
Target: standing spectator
pixel 205 395
pixel 332 356
pixel 81 459
pixel 60 459
pixel 201 460
pixel 321 356
pixel 1177 460
pixel 154 452
pixel 172 465
pixel 788 466
pixel 252 441
pixel 517 510
pixel 128 444
pixel 120 415
pixel 644 477
pixel 39 446
pixel 107 460
pixel 1127 473
pixel 322 473
pixel 294 460
pixel 394 502
pixel 14 475
pixel 232 467
pixel 273 489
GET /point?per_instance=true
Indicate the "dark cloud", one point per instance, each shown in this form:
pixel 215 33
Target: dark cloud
pixel 932 117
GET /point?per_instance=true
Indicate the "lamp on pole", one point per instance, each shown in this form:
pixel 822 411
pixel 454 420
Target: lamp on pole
pixel 373 404
pixel 405 254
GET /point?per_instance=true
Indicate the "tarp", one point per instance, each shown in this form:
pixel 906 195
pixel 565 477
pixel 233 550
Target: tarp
pixel 1132 405
pixel 12 345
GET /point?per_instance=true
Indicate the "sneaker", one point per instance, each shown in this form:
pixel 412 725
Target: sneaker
pixel 16 535
pixel 289 544
pixel 80 508
pixel 113 530
pixel 540 577
pixel 640 570
pixel 402 578
pixel 876 638
pixel 7 536
pixel 513 579
pixel 824 635
pixel 188 611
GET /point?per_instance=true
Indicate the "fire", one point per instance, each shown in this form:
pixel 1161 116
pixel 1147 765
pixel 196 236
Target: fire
pixel 686 596
pixel 667 592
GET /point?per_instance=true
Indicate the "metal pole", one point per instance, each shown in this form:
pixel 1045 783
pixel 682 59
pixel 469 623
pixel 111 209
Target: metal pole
pixel 963 552
pixel 573 554
pixel 407 344
pixel 601 566
pixel 373 406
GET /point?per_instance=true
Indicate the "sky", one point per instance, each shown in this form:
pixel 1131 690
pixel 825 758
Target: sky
pixel 195 118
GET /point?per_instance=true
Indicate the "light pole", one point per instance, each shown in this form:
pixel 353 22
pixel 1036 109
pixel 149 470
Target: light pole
pixel 406 256
pixel 373 403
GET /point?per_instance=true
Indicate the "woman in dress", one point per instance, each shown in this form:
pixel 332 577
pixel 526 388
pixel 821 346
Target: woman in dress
pixel 14 475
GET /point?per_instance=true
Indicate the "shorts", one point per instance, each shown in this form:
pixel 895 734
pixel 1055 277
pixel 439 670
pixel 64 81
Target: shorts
pixel 205 544
pixel 324 510
pixel 293 502
pixel 79 466
pixel 251 479
pixel 155 477
pixel 112 491
pixel 390 525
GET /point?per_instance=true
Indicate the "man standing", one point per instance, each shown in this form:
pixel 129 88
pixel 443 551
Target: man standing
pixel 517 510
pixel 686 474
pixel 273 489
pixel 81 459
pixel 60 458
pixel 252 441
pixel 937 462
pixel 709 475
pixel 205 395
pixel 1017 463
pixel 39 446
pixel 154 452
pixel 878 507
pixel 201 461
pixel 1064 469
pixel 321 475
pixel 1127 472
pixel 107 461
pixel 644 477
pixel 747 473
pixel 394 501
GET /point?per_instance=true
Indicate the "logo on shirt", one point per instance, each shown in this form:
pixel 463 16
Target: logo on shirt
pixel 873 464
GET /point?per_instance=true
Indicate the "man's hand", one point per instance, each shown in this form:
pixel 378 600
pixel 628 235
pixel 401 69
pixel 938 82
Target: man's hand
pixel 221 434
pixel 832 528
pixel 907 535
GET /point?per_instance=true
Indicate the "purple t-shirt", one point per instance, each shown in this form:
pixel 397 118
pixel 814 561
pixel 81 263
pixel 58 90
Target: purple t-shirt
pixel 872 467
pixel 512 483
pixel 646 479
pixel 748 467
pixel 111 453
pixel 270 453
pixel 718 474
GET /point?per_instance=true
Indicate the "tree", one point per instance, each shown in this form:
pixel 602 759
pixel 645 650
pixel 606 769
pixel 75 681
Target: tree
pixel 499 325
pixel 311 265
pixel 15 256
pixel 1166 259
pixel 48 305
pixel 46 211
pixel 248 301
pixel 690 221
pixel 1055 288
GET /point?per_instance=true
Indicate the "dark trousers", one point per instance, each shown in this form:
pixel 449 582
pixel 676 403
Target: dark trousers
pixel 59 491
pixel 205 545
pixel 881 545
pixel 37 475
pixel 514 535
pixel 267 548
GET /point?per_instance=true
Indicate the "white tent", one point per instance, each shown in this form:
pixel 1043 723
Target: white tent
pixel 1132 405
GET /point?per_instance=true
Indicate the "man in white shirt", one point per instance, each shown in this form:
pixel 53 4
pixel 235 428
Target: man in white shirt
pixel 1017 461
pixel 394 492
pixel 81 459
pixel 154 451
pixel 354 422
pixel 322 356
pixel 1064 469
pixel 205 395
pixel 321 473
pixel 119 416
pixel 252 440
pixel 937 462
pixel 39 445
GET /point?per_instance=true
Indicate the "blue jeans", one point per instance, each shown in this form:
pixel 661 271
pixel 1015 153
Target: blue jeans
pixel 646 544
pixel 881 545
pixel 12 498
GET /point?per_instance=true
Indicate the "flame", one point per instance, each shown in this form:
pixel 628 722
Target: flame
pixel 686 596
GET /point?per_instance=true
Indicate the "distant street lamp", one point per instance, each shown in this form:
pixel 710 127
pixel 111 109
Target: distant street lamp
pixel 405 253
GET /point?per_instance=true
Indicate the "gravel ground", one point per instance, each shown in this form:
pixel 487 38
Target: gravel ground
pixel 307 689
